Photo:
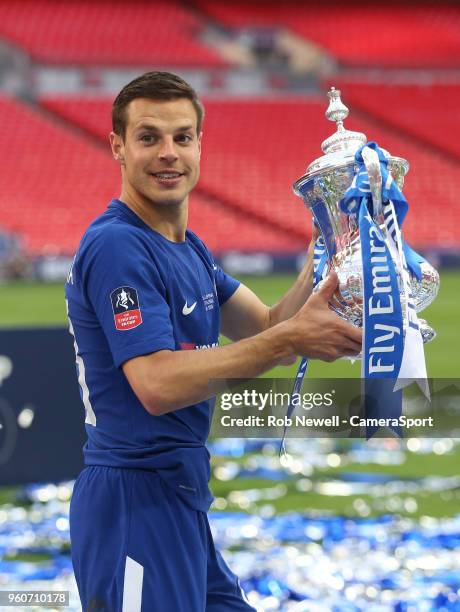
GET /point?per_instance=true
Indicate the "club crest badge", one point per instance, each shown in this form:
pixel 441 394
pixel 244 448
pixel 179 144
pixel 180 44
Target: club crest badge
pixel 125 306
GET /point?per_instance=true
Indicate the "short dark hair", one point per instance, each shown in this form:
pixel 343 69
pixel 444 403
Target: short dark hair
pixel 155 85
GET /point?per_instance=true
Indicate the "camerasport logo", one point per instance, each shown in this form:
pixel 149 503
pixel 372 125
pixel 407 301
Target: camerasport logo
pixel 125 306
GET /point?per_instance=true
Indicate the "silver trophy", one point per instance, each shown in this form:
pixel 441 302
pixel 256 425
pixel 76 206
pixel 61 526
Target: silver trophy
pixel 322 187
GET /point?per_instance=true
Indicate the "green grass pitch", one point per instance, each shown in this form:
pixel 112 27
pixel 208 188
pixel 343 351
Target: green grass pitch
pixel 35 304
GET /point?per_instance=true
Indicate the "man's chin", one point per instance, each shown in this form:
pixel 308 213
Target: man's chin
pixel 167 201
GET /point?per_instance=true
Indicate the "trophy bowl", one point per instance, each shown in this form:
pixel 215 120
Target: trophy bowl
pixel 323 186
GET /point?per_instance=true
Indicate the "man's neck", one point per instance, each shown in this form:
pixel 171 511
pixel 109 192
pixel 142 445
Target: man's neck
pixel 169 220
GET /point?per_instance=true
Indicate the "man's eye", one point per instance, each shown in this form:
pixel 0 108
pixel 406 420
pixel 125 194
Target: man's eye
pixel 182 138
pixel 147 138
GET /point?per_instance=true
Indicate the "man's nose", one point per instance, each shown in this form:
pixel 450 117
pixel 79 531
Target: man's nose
pixel 167 150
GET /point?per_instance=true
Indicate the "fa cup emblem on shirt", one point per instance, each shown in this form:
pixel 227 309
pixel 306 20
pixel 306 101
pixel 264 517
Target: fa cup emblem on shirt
pixel 126 308
pixel 124 299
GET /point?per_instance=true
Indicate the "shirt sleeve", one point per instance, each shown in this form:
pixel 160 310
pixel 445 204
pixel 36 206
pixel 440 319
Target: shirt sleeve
pixel 128 295
pixel 226 285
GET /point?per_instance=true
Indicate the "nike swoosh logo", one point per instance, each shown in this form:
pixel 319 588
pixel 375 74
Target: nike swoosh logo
pixel 186 310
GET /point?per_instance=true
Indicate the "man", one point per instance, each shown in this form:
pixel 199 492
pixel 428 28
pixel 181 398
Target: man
pixel 141 291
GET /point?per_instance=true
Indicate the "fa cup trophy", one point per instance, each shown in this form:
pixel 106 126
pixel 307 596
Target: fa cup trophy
pixel 324 188
pixel 354 193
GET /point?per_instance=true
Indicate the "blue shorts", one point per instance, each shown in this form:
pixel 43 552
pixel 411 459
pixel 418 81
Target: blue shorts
pixel 138 547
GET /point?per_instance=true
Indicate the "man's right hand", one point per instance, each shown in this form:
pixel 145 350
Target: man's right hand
pixel 317 332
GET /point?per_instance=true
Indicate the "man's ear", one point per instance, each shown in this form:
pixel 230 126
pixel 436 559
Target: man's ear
pixel 199 143
pixel 117 146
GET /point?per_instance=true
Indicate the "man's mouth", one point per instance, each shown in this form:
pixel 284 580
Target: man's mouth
pixel 167 178
pixel 167 175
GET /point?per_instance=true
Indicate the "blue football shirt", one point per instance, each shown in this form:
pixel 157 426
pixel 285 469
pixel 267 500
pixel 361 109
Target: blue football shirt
pixel 132 292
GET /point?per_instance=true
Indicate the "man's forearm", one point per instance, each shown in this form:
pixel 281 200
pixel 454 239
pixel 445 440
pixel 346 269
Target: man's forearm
pixel 297 295
pixel 183 378
pixel 168 380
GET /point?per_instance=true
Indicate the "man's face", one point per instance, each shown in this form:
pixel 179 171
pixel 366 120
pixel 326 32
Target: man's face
pixel 161 151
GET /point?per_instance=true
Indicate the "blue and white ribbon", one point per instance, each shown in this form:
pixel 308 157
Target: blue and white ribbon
pixel 319 260
pixel 319 269
pixel 413 366
pixel 390 192
pixel 395 207
pixel 393 346
pixel 383 331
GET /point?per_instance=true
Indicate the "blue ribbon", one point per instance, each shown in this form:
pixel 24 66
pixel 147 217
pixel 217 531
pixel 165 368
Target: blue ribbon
pixel 320 256
pixel 349 204
pixel 383 325
pixel 319 260
pixel 383 321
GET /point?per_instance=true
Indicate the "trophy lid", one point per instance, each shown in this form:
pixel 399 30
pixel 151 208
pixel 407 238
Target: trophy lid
pixel 341 146
pixel 339 155
pixel 342 140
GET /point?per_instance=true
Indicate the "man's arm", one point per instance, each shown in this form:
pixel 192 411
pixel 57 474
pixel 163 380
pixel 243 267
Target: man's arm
pixel 169 380
pixel 244 314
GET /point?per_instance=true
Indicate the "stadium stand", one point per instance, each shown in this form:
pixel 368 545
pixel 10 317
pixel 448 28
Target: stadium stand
pixel 225 230
pixel 53 187
pixel 82 32
pixel 428 112
pixel 395 34
pixel 254 150
pixel 58 181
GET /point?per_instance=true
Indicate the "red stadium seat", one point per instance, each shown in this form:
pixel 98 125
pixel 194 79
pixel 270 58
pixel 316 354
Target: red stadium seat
pixel 254 150
pixel 55 182
pixel 428 112
pixel 106 33
pixel 50 180
pixel 359 34
pixel 251 152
